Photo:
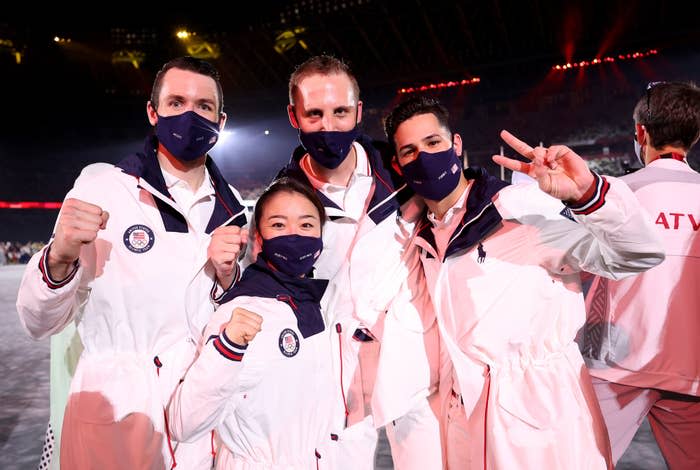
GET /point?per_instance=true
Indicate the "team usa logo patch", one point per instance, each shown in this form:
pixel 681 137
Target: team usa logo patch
pixel 289 343
pixel 139 238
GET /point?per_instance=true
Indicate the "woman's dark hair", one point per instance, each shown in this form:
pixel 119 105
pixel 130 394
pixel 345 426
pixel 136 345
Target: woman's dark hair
pixel 413 107
pixel 288 185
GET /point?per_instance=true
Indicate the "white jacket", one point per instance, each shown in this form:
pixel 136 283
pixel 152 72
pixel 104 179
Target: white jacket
pixel 271 403
pixel 643 331
pixel 140 296
pixel 375 286
pixel 508 302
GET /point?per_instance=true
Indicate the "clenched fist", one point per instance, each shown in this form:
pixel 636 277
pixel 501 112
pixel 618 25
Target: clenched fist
pixel 243 326
pixel 226 245
pixel 77 225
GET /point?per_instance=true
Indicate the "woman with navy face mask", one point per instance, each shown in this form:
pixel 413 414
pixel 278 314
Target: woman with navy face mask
pixel 263 380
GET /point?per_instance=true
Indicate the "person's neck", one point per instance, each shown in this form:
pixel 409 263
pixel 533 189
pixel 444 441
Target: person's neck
pixel 190 172
pixel 440 208
pixel 655 154
pixel 339 176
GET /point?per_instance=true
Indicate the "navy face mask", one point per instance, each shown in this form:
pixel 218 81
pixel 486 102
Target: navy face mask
pixel 433 175
pixel 328 148
pixel 294 255
pixel 187 136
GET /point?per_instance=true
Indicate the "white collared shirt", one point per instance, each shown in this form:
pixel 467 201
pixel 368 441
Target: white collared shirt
pixel 445 227
pixel 442 231
pixel 196 205
pixel 338 237
pixel 352 198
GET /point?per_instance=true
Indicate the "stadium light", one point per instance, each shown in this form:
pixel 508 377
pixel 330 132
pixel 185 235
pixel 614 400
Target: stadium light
pixel 605 60
pixel 437 86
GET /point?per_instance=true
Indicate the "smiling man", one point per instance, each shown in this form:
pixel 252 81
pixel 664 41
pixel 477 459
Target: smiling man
pixel 137 249
pixel 384 329
pixel 502 266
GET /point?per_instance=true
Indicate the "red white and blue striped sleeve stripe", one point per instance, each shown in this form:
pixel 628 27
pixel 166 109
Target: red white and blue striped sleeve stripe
pixel 46 276
pixel 595 201
pixel 228 348
pixel 215 288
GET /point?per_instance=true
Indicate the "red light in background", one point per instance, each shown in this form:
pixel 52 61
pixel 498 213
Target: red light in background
pixel 29 205
pixel 436 86
pixel 608 59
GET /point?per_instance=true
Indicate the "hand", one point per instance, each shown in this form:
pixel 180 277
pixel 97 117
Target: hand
pixel 78 224
pixel 243 326
pixel 559 171
pixel 226 244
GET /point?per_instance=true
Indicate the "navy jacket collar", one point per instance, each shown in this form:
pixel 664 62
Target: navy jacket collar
pixel 303 295
pixel 146 167
pixel 480 218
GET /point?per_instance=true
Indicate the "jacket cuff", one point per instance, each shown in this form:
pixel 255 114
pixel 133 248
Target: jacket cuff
pixel 595 201
pixel 46 276
pixel 228 348
pixel 218 293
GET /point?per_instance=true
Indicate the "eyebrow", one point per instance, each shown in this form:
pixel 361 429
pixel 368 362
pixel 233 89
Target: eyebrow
pixel 305 216
pixel 309 111
pixel 207 101
pixel 184 99
pixel 428 137
pixel 174 96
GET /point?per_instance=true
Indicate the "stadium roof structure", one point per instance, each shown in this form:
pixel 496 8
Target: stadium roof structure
pixel 391 43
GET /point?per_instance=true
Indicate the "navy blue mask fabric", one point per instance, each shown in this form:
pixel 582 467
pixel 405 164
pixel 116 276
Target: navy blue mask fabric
pixel 187 136
pixel 434 175
pixel 328 148
pixel 294 255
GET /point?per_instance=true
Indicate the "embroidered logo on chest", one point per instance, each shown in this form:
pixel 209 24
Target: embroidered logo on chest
pixel 289 343
pixel 139 238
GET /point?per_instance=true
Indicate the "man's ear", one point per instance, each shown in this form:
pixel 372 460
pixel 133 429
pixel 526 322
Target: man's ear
pixel 359 113
pixel 457 142
pixel 151 113
pixel 222 120
pixel 395 165
pixel 257 244
pixel 292 117
pixel 640 134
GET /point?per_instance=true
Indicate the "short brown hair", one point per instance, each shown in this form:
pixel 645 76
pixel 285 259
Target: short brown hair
pixel 670 113
pixel 322 65
pixel 192 64
pixel 412 107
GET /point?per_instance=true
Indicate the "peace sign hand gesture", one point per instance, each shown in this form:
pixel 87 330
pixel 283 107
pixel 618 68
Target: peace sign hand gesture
pixel 559 171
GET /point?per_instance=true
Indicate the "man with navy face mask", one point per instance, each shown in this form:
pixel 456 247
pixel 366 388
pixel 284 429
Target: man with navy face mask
pixel 140 250
pixel 502 267
pixel 379 320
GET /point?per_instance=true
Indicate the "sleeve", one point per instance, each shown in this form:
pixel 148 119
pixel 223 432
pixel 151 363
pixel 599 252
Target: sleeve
pixel 409 336
pixel 201 398
pixel 218 292
pixel 608 235
pixel 379 265
pixel 46 305
pixel 252 247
